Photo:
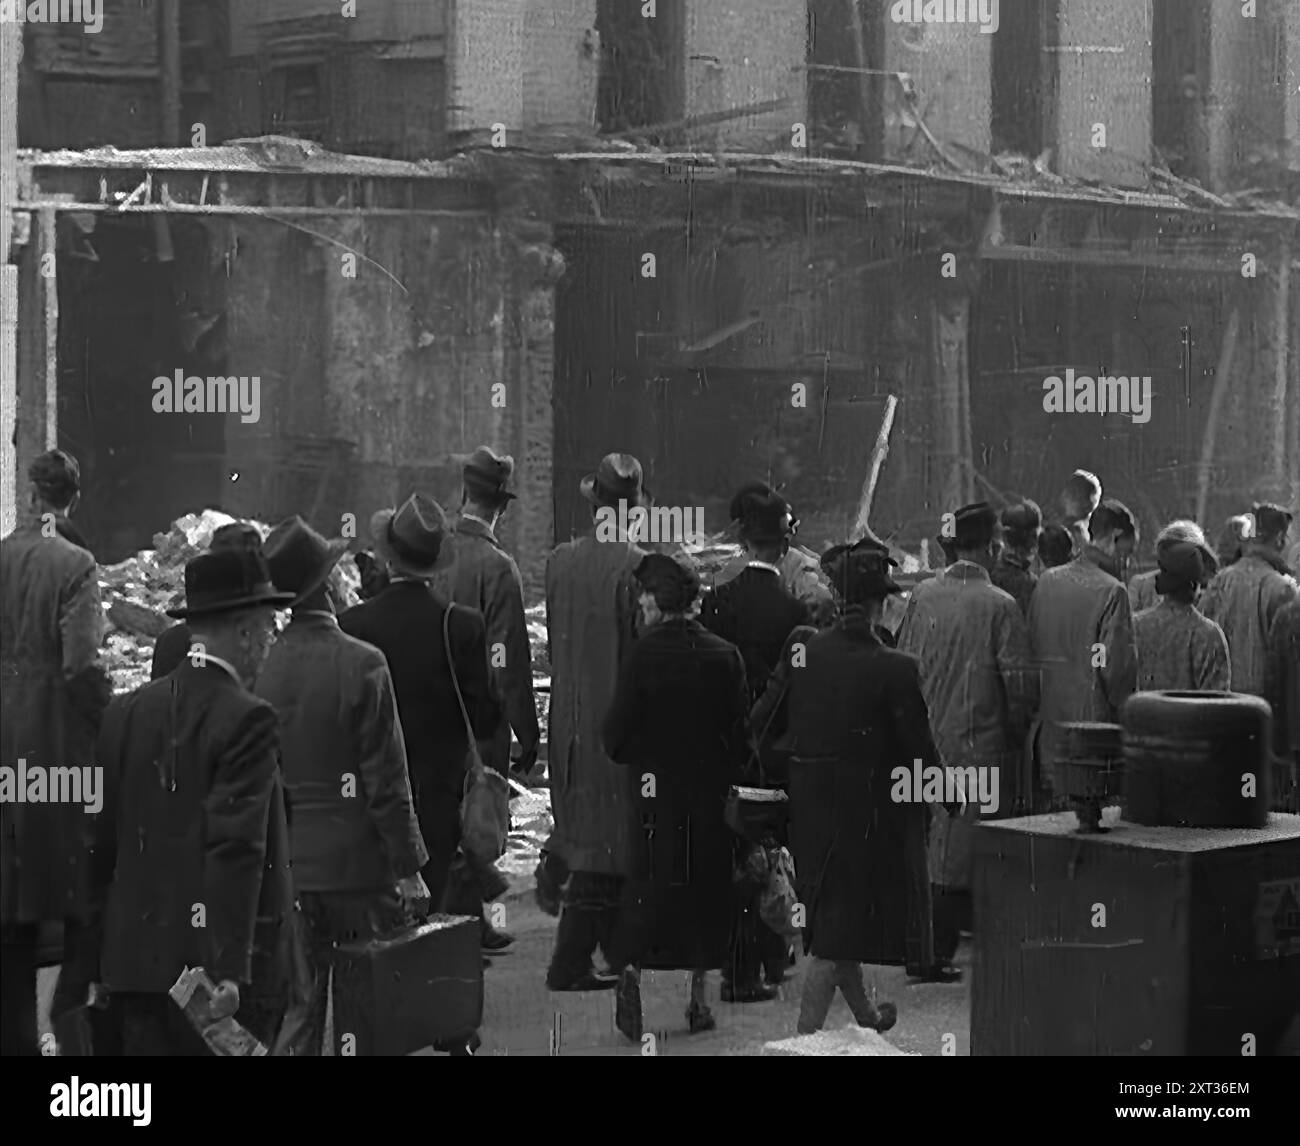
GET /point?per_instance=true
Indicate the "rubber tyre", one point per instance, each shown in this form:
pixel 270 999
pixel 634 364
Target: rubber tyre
pixel 1185 755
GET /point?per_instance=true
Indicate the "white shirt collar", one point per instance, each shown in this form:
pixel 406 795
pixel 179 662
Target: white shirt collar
pixel 201 658
pixel 763 565
pixel 315 613
pixel 475 517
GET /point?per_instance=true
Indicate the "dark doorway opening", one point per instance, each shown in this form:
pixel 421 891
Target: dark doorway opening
pixel 136 302
pixel 1023 67
pixel 846 101
pixel 1180 72
pixel 642 66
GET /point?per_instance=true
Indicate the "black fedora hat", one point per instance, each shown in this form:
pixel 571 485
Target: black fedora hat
pixel 861 569
pixel 235 535
pixel 975 525
pixel 226 580
pixel 410 537
pixel 618 478
pixel 299 558
pixel 486 473
pixel 765 518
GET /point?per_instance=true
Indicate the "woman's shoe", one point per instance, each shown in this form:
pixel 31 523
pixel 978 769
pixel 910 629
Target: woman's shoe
pixel 700 1019
pixel 888 1016
pixel 627 1005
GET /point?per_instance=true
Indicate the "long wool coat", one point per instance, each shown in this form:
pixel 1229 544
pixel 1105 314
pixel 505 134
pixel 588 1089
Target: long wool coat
pixel 678 722
pixel 855 713
pixel 972 644
pixel 591 622
pixel 52 696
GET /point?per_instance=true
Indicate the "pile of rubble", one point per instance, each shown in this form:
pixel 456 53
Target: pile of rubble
pixel 137 592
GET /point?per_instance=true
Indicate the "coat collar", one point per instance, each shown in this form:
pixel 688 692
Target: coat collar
pixel 967 571
pixel 207 663
pixel 472 526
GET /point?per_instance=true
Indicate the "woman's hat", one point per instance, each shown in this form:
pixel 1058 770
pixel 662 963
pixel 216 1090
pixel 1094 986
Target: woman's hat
pixel 617 478
pixel 410 537
pixel 861 570
pixel 299 558
pixel 486 474
pixel 1182 561
pixel 674 581
pixel 224 580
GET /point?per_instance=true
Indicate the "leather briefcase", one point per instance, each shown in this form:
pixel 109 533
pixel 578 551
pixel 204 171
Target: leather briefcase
pixel 401 993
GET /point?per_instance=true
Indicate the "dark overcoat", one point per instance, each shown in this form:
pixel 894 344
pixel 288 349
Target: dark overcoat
pixel 474 570
pixel 193 818
pixel 855 713
pixel 343 759
pixel 678 722
pixel 591 602
pixel 52 696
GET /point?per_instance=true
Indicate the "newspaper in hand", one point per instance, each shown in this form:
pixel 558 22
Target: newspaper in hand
pixel 193 993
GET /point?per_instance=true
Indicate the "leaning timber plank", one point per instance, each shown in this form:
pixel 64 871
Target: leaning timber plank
pixel 878 454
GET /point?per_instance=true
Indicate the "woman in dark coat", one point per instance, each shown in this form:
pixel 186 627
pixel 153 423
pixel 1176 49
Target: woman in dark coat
pixel 678 717
pixel 855 712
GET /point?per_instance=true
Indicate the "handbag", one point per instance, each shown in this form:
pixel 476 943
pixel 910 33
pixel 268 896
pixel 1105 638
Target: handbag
pixel 778 900
pixel 485 801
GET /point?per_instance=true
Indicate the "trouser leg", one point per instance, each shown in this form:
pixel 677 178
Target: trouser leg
pixel 585 924
pixel 154 1027
pixel 818 994
pixel 18 1034
pixel 439 816
pixel 848 977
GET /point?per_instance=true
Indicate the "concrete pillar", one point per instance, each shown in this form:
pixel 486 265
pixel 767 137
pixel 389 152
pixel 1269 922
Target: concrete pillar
pixel 1291 12
pixel 562 63
pixel 743 52
pixel 11 51
pixel 1104 89
pixel 951 65
pixel 486 64
pixel 37 396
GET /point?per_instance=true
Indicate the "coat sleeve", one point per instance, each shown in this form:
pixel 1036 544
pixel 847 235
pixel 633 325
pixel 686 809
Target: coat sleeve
pixel 1279 664
pixel 769 709
pixel 621 730
pixel 1015 667
pixel 1119 671
pixel 507 626
pixel 1277 593
pixel 238 809
pixel 910 716
pixel 384 774
pixel 1211 662
pixel 469 655
pixel 81 621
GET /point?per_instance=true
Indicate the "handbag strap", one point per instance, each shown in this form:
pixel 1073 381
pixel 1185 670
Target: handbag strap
pixel 455 680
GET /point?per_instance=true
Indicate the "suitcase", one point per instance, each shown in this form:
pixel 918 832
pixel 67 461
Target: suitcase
pixel 418 988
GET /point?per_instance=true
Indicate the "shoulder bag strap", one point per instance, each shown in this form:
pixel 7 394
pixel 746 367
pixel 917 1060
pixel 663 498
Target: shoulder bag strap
pixel 455 680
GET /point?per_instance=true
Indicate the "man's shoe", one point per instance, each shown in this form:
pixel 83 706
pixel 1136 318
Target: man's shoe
pixel 752 993
pixel 591 981
pixel 627 1005
pixel 700 1019
pixel 494 942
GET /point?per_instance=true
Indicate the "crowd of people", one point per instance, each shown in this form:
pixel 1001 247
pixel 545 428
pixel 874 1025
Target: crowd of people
pixel 272 794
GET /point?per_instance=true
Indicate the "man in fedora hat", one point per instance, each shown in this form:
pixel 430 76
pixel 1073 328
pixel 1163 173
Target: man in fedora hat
pixel 1078 608
pixel 357 850
pixel 800 570
pixel 971 643
pixel 52 698
pixel 474 570
pixel 1245 598
pixel 405 622
pixel 591 605
pixel 174 643
pixel 756 612
pixel 191 855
